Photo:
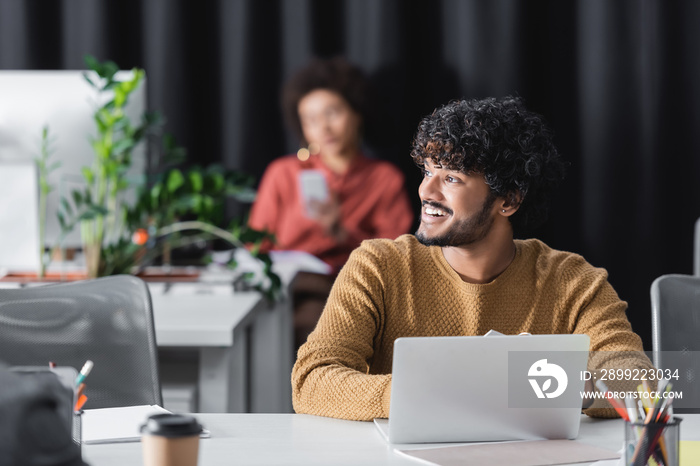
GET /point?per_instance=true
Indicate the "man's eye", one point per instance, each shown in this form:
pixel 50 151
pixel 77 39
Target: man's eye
pixel 426 173
pixel 451 179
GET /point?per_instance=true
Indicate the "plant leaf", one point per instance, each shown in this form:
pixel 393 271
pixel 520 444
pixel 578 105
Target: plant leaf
pixel 155 192
pixel 77 198
pixel 120 95
pixel 196 181
pixel 66 206
pixel 87 78
pixel 93 212
pixel 175 180
pixel 219 182
pixel 108 69
pixel 91 62
pixel 88 175
pixel 122 145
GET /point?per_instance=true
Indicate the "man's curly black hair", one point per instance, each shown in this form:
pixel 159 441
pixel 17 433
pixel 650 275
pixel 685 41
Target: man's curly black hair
pixel 333 74
pixel 500 139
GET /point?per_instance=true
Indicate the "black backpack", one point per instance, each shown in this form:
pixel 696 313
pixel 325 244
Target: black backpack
pixel 36 420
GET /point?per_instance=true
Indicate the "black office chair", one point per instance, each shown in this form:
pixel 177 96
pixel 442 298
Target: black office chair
pixel 107 320
pixel 675 314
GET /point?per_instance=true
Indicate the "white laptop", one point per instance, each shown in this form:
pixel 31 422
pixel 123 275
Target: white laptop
pixel 469 389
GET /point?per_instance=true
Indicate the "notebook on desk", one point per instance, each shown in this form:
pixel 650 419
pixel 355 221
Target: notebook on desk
pixel 468 389
pixel 118 425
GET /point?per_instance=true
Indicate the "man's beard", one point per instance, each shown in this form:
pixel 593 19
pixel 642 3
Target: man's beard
pixel 463 232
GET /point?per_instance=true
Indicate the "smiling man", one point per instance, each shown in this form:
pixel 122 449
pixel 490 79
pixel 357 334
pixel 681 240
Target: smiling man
pixel 489 169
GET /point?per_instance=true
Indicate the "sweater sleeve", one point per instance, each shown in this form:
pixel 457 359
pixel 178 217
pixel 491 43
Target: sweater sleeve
pixel 613 343
pixel 331 375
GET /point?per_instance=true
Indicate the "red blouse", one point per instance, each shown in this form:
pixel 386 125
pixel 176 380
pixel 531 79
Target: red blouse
pixel 373 204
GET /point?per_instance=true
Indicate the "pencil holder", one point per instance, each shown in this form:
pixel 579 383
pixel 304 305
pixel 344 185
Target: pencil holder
pixel 77 428
pixel 655 443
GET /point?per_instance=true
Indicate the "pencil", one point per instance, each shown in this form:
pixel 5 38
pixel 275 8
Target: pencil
pixel 614 402
pixel 80 403
pixel 79 391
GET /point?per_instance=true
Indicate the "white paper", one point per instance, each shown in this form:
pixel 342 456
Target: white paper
pixel 302 260
pixel 114 425
pixel 118 425
pixel 286 264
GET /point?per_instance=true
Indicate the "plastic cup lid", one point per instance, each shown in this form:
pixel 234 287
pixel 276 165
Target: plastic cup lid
pixel 171 425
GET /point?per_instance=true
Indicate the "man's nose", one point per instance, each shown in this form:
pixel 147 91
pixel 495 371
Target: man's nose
pixel 429 189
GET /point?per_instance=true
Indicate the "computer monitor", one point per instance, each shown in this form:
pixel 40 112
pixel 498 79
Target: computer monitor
pixel 66 103
pixel 19 218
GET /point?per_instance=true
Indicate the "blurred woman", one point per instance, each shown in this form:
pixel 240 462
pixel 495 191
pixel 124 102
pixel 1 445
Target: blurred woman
pixel 328 197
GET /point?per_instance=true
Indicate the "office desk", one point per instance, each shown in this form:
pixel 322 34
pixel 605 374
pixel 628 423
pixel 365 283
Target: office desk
pixel 255 334
pixel 286 439
pixel 215 321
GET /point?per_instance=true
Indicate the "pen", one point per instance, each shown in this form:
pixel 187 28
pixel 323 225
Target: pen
pixel 644 399
pixel 665 404
pixel 640 407
pixel 83 372
pixel 631 410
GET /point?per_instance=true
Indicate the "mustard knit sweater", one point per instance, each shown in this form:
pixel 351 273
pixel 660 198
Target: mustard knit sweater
pixel 390 289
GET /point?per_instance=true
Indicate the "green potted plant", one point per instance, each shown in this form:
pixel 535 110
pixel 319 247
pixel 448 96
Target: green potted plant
pixel 184 207
pixel 174 208
pixel 95 207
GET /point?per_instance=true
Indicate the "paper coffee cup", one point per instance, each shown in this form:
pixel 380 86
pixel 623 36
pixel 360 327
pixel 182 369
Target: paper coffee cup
pixel 170 440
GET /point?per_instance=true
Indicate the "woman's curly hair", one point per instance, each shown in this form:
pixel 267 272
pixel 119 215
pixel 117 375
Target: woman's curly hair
pixel 503 141
pixel 334 74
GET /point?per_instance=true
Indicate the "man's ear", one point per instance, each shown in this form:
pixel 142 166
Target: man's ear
pixel 510 203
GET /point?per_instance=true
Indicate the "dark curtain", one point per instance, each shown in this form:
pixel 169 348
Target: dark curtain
pixel 618 80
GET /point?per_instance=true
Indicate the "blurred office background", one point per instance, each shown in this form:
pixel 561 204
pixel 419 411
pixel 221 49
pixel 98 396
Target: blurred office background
pixel 619 81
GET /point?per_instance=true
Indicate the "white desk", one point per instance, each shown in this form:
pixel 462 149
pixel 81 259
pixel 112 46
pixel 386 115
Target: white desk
pixel 235 374
pixel 216 323
pixel 293 439
pixel 239 327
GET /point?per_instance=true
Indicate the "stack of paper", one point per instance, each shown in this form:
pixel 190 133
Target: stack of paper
pixel 114 425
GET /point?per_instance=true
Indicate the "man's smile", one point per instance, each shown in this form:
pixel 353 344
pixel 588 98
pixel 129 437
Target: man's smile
pixel 433 210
